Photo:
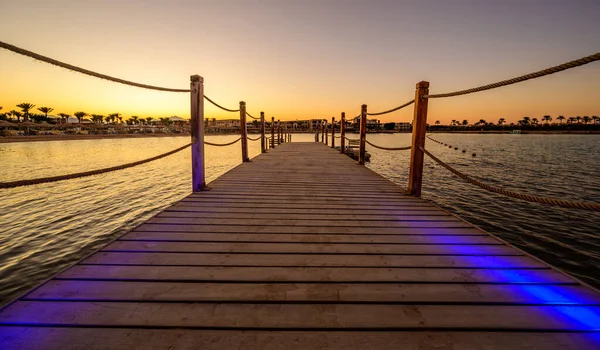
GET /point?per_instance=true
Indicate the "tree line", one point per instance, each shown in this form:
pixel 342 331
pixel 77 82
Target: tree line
pixel 527 123
pixel 25 114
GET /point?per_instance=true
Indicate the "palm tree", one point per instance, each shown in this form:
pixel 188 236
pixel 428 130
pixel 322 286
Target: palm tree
pixel 26 107
pixel 578 118
pixel 454 122
pixel 501 121
pixel 595 119
pixel 437 122
pixel 571 120
pixel 16 114
pixel 547 118
pixel 79 115
pixel 148 120
pixel 114 116
pixel 45 110
pixel 134 119
pixel 481 122
pixel 465 122
pixel 586 119
pixel 560 118
pixel 64 115
pixel 97 118
pixel 534 121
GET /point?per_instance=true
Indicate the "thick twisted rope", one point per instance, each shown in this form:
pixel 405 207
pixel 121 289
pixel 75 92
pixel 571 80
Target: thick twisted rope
pixel 394 109
pixel 389 148
pixel 551 70
pixel 251 139
pixel 250 115
pixel 526 197
pixel 222 144
pixel 20 183
pixel 218 105
pixel 52 61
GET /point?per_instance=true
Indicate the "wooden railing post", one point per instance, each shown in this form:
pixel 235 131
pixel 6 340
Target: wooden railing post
pixel 363 134
pixel 332 132
pixel 244 132
pixel 272 132
pixel 415 176
pixel 326 133
pixel 278 131
pixel 263 141
pixel 197 115
pixel 322 131
pixel 343 133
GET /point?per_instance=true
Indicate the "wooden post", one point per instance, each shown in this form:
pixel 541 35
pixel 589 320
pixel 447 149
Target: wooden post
pixel 332 132
pixel 343 133
pixel 363 134
pixel 415 175
pixel 326 133
pixel 263 142
pixel 322 131
pixel 244 132
pixel 278 131
pixel 197 114
pixel 272 132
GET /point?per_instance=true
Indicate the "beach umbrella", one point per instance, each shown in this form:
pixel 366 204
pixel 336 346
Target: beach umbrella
pixel 5 124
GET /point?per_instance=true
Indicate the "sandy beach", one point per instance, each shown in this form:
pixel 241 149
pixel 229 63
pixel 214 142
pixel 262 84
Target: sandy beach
pixel 36 138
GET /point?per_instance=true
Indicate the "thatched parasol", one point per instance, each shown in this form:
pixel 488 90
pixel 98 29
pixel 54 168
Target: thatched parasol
pixel 5 124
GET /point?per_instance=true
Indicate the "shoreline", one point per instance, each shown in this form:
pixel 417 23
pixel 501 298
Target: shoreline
pixel 41 138
pixel 524 132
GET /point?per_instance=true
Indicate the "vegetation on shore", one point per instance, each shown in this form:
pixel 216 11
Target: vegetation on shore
pixel 576 123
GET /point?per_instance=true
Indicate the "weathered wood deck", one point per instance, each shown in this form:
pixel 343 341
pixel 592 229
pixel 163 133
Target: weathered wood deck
pixel 302 248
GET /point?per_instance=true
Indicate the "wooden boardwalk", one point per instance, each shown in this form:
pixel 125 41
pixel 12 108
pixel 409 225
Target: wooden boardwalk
pixel 302 248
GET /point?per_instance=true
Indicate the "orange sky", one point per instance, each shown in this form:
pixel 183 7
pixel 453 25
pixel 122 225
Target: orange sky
pixel 313 59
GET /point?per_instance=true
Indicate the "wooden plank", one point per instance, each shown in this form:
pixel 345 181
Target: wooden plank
pixel 301 216
pixel 316 274
pixel 434 221
pixel 55 338
pixel 309 238
pixel 304 206
pixel 314 293
pixel 312 248
pixel 433 230
pixel 357 212
pixel 298 260
pixel 297 316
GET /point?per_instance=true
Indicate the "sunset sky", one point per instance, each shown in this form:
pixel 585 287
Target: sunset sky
pixel 303 59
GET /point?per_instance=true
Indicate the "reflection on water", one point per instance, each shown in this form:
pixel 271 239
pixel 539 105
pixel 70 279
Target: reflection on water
pixel 563 166
pixel 44 228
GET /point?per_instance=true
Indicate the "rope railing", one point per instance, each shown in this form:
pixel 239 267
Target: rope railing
pixel 71 67
pixel 218 105
pixel 394 109
pixel 548 71
pixel 54 62
pixel 222 144
pixel 251 139
pixel 526 197
pixel 389 148
pixel 250 115
pixel 38 181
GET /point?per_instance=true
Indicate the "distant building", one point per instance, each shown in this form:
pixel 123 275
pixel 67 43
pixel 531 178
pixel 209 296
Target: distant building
pixel 403 126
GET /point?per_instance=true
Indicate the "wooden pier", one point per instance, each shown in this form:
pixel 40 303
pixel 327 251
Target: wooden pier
pixel 303 248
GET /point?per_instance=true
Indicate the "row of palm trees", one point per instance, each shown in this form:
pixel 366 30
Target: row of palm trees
pixel 528 121
pixel 26 114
